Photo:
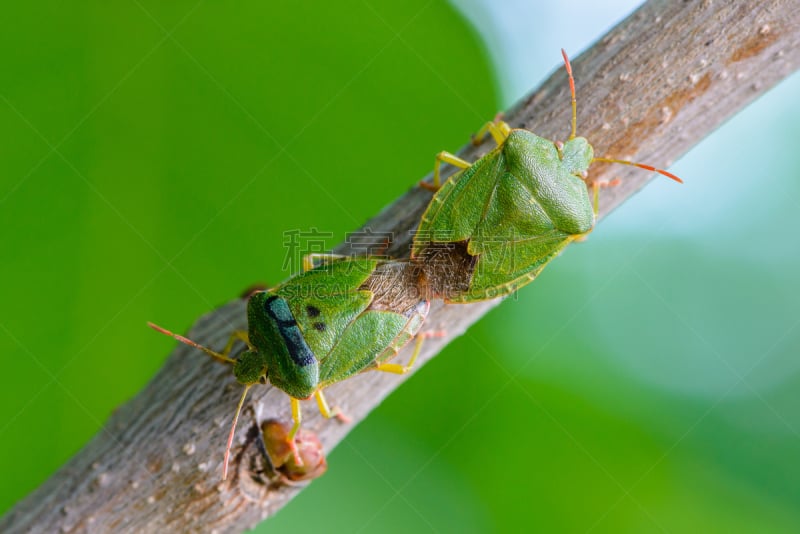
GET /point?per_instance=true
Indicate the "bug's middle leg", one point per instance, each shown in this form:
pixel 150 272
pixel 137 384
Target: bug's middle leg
pixel 445 157
pixel 297 418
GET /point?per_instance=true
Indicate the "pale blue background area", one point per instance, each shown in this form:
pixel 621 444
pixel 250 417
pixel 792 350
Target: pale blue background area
pixel 735 210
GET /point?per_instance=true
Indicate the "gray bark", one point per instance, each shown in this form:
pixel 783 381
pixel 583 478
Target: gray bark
pixel 650 89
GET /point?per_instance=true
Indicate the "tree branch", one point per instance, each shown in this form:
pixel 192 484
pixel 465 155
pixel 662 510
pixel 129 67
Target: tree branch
pixel 648 90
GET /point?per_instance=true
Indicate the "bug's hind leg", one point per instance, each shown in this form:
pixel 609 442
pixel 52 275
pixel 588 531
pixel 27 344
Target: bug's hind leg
pixel 398 369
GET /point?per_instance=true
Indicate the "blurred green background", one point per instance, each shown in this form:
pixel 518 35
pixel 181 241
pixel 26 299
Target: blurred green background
pixel 153 155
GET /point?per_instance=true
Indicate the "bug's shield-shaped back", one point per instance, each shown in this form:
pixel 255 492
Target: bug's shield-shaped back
pixel 552 182
pixel 326 299
pixel 460 205
pixel 380 331
pixel 288 328
pixel 360 344
pixel 517 207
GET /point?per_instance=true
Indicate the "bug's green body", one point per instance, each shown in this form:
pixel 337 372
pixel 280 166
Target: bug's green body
pixel 495 225
pixel 516 208
pixel 319 328
pixel 323 326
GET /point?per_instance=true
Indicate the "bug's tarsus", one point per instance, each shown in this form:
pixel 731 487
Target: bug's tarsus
pixel 603 184
pixel 433 333
pixel 382 248
pixel 328 412
pixel 428 186
pixel 572 92
pixel 341 416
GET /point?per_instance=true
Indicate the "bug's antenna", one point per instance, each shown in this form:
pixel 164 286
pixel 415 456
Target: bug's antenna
pixel 575 122
pixel 233 430
pixel 572 92
pixel 216 355
pixel 641 166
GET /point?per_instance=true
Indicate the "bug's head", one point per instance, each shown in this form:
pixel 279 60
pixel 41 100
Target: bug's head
pixel 280 346
pixel 251 368
pixel 576 155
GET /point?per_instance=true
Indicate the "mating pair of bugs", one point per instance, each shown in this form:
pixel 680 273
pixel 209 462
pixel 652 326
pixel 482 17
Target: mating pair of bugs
pixel 495 224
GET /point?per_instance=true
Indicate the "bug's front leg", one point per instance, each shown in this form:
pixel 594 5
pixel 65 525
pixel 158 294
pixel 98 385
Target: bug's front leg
pixel 498 129
pixel 310 260
pixel 445 157
pixel 237 335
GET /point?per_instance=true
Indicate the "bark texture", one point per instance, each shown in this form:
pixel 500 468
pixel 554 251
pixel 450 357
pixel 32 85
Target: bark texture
pixel 650 89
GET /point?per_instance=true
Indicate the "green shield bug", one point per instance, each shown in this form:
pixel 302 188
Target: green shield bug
pixel 323 326
pixel 513 210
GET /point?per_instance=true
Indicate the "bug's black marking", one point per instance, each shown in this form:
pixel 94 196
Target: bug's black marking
pixel 278 310
pixel 268 305
pixel 320 326
pixel 312 311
